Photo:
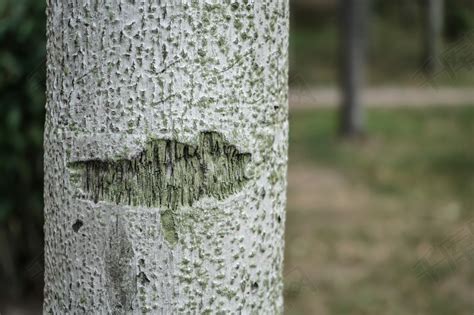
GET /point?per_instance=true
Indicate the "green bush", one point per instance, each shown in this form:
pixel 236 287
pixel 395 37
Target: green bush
pixel 459 19
pixel 22 99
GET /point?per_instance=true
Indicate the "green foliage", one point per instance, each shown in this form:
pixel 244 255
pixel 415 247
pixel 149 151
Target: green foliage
pixel 22 89
pixel 458 19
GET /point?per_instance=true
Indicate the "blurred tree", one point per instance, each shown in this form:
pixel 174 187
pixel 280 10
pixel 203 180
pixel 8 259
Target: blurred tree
pixel 354 33
pixel 432 35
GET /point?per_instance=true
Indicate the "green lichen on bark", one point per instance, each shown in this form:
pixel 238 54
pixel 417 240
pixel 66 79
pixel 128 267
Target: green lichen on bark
pixel 166 174
pixel 169 226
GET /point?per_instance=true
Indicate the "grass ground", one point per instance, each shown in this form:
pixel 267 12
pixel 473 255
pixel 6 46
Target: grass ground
pixel 383 226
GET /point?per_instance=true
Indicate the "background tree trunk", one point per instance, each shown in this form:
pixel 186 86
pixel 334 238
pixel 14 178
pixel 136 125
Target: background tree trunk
pixel 354 20
pixel 165 156
pixel 432 36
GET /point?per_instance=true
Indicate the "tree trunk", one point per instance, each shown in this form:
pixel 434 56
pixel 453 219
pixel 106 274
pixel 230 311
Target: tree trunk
pixel 354 16
pixel 165 156
pixel 432 35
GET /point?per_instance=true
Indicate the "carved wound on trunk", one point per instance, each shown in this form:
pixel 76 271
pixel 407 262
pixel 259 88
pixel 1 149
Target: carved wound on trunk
pixel 166 174
pixel 119 268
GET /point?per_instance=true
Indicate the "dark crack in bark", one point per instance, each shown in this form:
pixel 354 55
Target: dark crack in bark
pixel 119 267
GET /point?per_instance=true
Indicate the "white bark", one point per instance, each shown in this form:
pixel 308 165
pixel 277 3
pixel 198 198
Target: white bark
pixel 165 156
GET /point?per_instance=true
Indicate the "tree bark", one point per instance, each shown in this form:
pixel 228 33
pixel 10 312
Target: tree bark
pixel 354 19
pixel 432 35
pixel 165 156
